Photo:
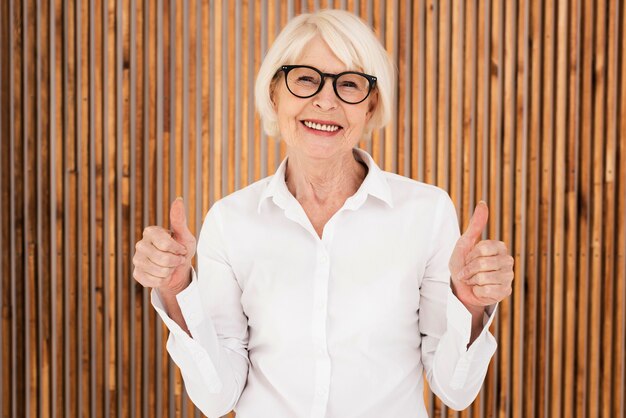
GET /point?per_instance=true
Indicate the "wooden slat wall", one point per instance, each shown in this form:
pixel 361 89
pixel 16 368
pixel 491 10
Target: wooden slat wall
pixel 111 108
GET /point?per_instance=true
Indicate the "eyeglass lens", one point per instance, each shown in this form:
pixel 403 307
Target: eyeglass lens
pixel 305 82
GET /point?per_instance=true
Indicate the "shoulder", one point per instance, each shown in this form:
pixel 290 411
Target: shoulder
pixel 407 189
pixel 236 210
pixel 244 199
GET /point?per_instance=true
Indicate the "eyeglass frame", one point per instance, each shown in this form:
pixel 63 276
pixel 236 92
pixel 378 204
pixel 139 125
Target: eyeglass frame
pixel 370 78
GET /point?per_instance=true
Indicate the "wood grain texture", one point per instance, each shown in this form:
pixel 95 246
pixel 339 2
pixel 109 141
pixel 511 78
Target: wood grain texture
pixel 110 109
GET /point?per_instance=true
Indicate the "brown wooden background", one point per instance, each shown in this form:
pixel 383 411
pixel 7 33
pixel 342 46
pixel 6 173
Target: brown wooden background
pixel 110 109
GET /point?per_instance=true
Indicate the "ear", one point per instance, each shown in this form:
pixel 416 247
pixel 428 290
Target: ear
pixel 273 95
pixel 372 105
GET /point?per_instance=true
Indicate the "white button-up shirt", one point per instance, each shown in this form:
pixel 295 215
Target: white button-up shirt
pixel 286 324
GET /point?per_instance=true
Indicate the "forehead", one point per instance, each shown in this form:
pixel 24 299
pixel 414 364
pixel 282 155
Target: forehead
pixel 317 53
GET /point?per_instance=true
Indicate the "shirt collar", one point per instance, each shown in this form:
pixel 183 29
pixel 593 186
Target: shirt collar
pixel 374 184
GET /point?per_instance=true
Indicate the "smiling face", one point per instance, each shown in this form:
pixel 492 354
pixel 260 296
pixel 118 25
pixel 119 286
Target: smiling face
pixel 322 126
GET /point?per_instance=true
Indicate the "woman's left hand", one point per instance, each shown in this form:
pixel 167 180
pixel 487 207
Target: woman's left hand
pixel 482 271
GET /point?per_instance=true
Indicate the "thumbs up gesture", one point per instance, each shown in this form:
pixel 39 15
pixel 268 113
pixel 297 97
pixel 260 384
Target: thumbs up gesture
pixel 482 271
pixel 163 258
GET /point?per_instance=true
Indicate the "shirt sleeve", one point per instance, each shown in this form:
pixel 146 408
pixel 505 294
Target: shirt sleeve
pixel 454 372
pixel 214 360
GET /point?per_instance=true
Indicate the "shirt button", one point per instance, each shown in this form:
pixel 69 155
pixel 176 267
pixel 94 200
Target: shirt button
pixel 324 259
pixel 320 351
pixel 321 391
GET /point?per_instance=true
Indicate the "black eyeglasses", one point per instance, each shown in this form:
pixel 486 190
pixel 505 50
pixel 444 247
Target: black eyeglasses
pixel 350 86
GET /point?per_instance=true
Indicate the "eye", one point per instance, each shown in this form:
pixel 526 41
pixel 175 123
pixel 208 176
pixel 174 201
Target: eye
pixel 307 80
pixel 348 84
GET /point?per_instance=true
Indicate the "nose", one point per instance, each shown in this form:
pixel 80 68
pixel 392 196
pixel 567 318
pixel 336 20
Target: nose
pixel 326 99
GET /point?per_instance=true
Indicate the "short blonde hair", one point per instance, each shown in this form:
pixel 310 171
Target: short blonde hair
pixel 352 41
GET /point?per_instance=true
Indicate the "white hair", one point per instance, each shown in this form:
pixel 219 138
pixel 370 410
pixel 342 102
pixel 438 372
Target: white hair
pixel 352 41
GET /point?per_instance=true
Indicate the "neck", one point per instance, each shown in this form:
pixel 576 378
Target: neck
pixel 318 181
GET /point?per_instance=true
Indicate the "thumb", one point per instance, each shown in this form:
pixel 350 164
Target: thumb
pixel 178 221
pixel 477 223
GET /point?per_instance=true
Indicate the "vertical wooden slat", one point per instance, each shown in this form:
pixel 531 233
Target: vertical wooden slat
pixel 133 235
pixel 405 109
pixel 63 181
pixel 597 195
pixel 245 28
pixel 40 399
pixel 107 134
pixel 155 363
pixel 533 279
pixel 457 104
pixel 217 99
pixel 117 212
pixel 55 169
pixel 430 101
pixel 609 218
pixel 28 245
pixel 170 160
pixel 12 248
pixel 391 44
pixel 547 152
pixel 3 125
pixel 559 163
pixel 231 140
pixel 571 207
pixel 619 388
pixel 419 127
pixel 92 209
pixel 148 136
pixel 508 137
pixel 431 19
pixel 518 192
pixel 609 300
pixel 492 188
pixel 44 159
pixel 584 216
pixel 442 97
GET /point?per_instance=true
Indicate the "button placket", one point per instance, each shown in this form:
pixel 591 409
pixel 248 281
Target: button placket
pixel 319 315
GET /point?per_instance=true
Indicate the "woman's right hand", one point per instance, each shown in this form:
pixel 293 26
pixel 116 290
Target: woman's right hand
pixel 162 258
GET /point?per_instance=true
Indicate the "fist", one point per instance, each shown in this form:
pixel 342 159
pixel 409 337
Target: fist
pixel 163 258
pixel 482 271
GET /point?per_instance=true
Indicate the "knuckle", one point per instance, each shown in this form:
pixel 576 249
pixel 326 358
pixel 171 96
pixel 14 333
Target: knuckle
pixel 161 244
pixel 140 246
pixel 483 263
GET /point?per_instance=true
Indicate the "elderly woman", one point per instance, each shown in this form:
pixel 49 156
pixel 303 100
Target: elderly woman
pixel 327 289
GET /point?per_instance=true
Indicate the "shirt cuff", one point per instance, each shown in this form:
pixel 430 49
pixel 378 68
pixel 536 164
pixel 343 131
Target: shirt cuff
pixel 198 349
pixel 478 355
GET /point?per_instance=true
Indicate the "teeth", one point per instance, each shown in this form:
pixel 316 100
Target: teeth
pixel 320 127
